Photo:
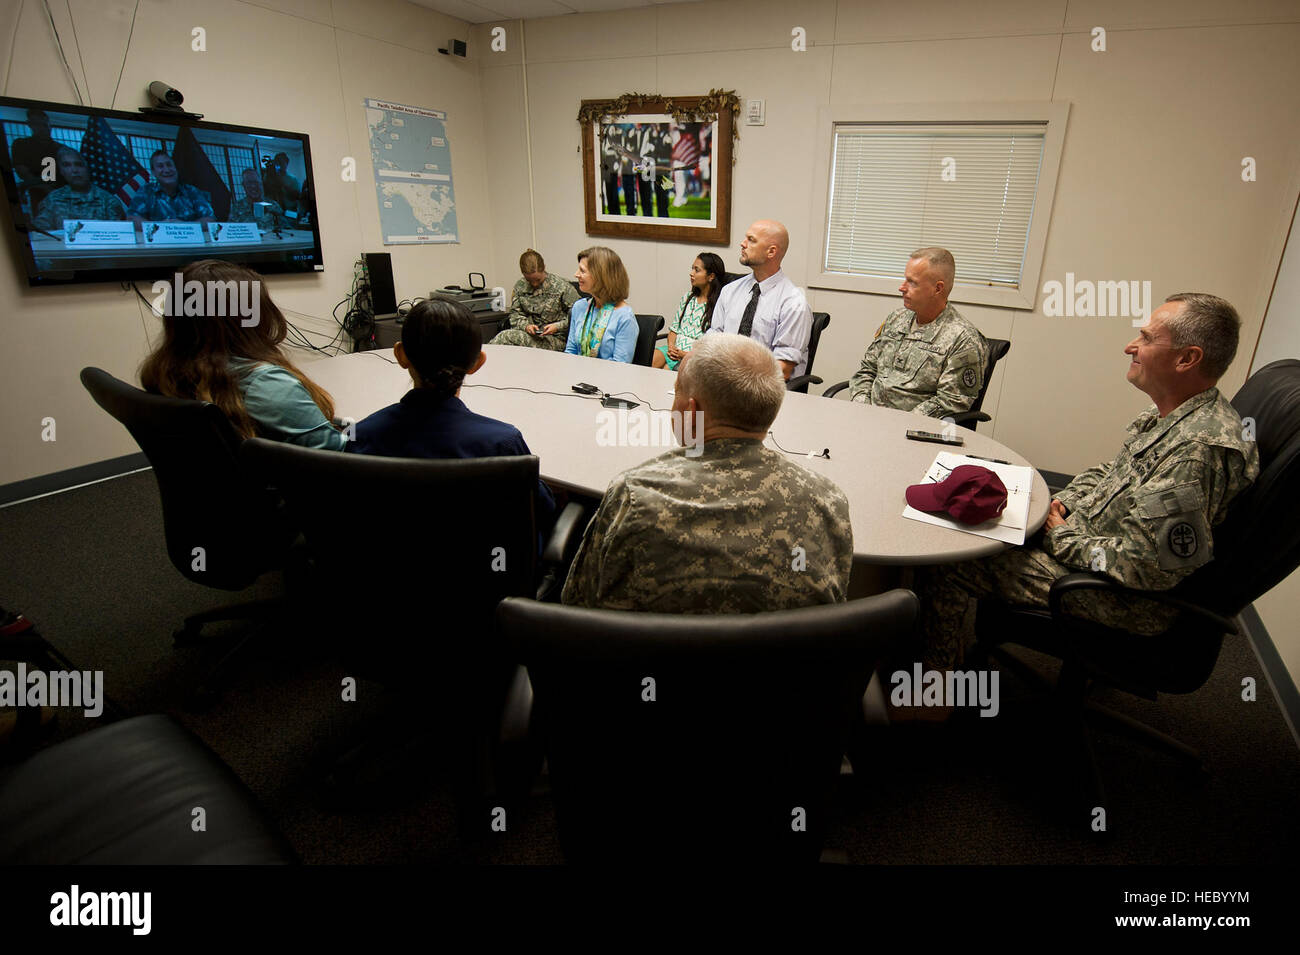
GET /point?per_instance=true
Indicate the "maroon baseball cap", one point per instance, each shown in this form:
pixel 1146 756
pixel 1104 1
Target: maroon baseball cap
pixel 970 494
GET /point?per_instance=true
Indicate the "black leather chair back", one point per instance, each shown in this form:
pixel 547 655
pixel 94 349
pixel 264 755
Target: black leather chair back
pixel 408 553
pixel 675 736
pixel 208 502
pixel 819 322
pixel 649 327
pixel 1258 543
pixel 998 348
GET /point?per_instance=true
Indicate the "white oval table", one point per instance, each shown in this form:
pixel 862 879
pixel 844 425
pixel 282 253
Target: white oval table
pixel 870 458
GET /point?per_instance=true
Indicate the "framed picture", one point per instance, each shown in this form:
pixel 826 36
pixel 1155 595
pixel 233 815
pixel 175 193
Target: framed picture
pixel 658 168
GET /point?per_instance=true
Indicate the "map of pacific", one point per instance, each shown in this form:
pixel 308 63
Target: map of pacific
pixel 411 158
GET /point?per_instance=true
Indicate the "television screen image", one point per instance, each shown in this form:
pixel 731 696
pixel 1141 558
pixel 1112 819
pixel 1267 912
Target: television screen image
pixel 98 195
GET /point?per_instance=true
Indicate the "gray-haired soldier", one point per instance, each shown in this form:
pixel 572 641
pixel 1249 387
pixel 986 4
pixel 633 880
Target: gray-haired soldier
pixel 926 357
pixel 79 199
pixel 269 218
pixel 732 527
pixel 1145 519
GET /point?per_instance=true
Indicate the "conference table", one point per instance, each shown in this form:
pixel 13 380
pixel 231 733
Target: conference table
pixel 582 445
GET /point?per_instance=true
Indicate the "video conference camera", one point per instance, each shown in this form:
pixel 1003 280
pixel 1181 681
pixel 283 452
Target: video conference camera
pixel 169 101
pixel 165 95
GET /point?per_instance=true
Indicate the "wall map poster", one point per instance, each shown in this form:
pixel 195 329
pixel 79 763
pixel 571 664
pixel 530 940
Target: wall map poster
pixel 412 161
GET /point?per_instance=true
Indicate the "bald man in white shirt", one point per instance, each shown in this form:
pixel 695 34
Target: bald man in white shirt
pixel 778 314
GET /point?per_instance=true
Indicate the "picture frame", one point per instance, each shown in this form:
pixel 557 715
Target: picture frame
pixel 656 167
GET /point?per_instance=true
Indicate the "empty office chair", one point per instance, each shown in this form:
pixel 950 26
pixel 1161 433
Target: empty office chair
pixel 1256 547
pixel 998 348
pixel 674 738
pixel 125 794
pixel 800 383
pixel 222 530
pixel 648 328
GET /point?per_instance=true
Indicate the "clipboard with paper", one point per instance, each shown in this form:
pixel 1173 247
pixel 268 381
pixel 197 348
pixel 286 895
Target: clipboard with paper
pixel 1010 525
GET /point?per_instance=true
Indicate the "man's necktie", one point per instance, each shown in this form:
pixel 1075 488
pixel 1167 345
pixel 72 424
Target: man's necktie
pixel 747 320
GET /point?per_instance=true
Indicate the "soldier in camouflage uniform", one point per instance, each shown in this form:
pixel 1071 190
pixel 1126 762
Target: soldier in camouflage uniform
pixel 732 527
pixel 242 210
pixel 539 307
pixel 79 199
pixel 1144 519
pixel 926 357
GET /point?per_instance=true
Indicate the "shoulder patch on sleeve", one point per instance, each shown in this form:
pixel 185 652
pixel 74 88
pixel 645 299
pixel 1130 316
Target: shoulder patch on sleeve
pixel 1179 527
pixel 968 378
pixel 1184 542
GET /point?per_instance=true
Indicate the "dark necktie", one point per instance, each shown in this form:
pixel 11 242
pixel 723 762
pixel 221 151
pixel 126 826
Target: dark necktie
pixel 747 320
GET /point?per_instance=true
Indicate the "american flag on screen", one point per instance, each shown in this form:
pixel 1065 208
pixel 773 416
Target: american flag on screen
pixel 112 167
pixel 686 151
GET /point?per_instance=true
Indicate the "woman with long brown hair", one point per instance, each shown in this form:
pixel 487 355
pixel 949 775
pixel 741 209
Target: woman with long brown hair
pixel 221 343
pixel 604 325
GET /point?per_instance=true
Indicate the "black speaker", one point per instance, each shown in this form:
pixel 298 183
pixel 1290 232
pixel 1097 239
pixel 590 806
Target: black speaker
pixel 383 299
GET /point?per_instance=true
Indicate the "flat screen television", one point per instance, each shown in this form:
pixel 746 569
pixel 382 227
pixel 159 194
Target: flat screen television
pixel 97 195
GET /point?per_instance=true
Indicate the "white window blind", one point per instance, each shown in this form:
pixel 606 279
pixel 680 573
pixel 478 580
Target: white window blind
pixel 888 197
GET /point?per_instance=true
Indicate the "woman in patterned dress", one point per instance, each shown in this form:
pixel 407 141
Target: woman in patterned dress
pixel 694 312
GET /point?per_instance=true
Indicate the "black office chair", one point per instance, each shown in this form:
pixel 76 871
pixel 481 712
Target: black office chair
pixel 406 589
pixel 416 576
pixel 800 383
pixel 649 326
pixel 1256 547
pixel 678 737
pixel 125 794
pixel 222 530
pixel 998 348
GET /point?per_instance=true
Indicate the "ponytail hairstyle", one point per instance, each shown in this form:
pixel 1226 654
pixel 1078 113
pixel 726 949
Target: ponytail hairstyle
pixel 531 261
pixel 712 263
pixel 442 340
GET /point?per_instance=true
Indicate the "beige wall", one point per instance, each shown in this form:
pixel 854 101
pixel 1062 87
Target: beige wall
pixel 302 65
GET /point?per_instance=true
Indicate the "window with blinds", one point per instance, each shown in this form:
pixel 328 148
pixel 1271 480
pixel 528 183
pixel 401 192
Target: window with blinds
pixel 968 187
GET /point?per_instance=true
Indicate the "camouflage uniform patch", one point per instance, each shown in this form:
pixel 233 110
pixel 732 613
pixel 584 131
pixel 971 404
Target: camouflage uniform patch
pixel 547 304
pixel 1143 519
pixel 738 529
pixel 934 369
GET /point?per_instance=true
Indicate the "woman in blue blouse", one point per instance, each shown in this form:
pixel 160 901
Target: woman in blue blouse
pixel 235 361
pixel 694 312
pixel 603 326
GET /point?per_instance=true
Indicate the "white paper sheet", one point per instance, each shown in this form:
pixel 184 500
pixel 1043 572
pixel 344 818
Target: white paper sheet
pixel 1010 525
